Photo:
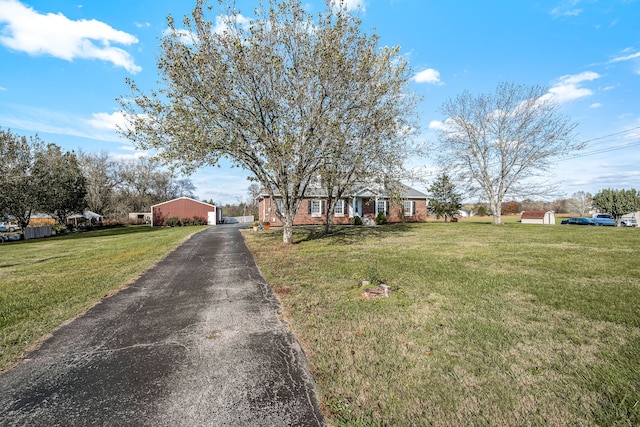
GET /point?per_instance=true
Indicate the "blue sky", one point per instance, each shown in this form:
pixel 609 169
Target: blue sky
pixel 64 63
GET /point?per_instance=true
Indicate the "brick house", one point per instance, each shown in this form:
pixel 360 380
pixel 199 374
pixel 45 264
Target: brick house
pixel 365 202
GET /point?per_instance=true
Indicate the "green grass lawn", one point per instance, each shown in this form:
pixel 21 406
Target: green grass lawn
pixel 511 325
pixel 45 282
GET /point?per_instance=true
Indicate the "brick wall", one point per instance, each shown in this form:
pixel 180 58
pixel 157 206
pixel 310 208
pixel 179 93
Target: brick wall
pixel 266 212
pixel 180 208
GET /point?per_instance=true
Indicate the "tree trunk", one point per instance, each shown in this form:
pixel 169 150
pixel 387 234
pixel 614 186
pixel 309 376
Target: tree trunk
pixel 496 219
pixel 328 228
pixel 329 223
pixel 496 209
pixel 287 231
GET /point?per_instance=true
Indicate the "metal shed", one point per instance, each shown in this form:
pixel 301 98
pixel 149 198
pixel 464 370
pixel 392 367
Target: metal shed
pixel 184 207
pixel 538 217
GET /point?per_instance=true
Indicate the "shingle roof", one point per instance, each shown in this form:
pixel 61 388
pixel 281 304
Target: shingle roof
pixel 361 191
pixel 533 214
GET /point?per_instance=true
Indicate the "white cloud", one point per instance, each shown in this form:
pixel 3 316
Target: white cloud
pixel 222 22
pixel 635 55
pixel 428 76
pixel 128 148
pixel 26 30
pixel 568 88
pixel 100 127
pixel 437 125
pixel 184 36
pixel 2 88
pixel 142 24
pixel 595 105
pixel 106 121
pixel 349 5
pixel 131 153
pixel 567 8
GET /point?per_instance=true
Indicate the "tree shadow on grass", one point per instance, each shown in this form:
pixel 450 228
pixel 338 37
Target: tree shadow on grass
pixel 99 232
pixel 349 234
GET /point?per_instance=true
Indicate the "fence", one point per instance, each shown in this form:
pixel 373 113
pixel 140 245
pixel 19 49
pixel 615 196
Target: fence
pixel 238 219
pixel 37 232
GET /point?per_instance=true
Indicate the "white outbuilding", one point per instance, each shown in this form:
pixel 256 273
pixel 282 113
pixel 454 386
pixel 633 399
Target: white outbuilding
pixel 538 217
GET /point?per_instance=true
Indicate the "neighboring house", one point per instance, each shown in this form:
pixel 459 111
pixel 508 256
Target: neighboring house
pixel 85 217
pixel 184 207
pixel 364 202
pixel 40 220
pixel 538 217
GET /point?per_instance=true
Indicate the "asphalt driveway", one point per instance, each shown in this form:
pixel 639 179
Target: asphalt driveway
pixel 195 341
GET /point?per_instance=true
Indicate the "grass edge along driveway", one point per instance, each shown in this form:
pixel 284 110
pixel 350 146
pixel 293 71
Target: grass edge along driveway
pixel 511 325
pixel 46 282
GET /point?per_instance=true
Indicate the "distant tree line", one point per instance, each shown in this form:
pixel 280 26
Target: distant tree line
pixel 117 187
pixel 614 202
pixel 39 177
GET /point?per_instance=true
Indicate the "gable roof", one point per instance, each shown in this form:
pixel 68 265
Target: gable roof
pixel 86 215
pixel 533 214
pixel 360 191
pixel 182 198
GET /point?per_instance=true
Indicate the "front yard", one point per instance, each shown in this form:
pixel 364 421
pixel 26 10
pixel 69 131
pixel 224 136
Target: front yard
pixel 511 325
pixel 45 282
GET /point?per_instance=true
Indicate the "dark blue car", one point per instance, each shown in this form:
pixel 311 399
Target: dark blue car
pixel 577 221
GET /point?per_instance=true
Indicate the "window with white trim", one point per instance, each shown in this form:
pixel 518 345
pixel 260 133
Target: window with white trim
pixel 381 206
pixel 338 210
pixel 279 205
pixel 316 208
pixel 409 207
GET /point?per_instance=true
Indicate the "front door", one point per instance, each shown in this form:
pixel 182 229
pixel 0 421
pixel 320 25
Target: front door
pixel 369 207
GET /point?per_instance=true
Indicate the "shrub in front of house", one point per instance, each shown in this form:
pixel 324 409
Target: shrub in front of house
pixel 356 220
pixel 173 221
pixel 59 228
pixel 197 220
pixel 381 218
pixel 115 222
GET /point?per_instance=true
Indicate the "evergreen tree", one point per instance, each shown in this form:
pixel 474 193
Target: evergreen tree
pixel 617 202
pixel 445 201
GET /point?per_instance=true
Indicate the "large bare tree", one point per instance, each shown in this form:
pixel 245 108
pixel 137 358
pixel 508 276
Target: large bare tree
pixel 99 170
pixel 501 143
pixel 272 94
pixel 581 202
